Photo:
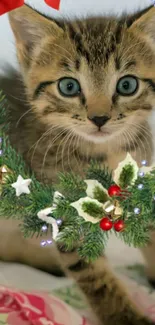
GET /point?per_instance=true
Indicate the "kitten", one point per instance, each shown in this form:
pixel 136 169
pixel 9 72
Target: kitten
pixel 89 92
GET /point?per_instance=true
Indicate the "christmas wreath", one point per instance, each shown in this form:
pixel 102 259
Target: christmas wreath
pixel 77 211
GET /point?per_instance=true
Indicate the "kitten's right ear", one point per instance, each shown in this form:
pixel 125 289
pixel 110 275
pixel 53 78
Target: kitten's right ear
pixel 29 27
pixel 145 24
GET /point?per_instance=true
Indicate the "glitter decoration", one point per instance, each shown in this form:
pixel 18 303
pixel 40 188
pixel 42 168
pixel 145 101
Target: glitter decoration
pixel 59 222
pixel 137 211
pixel 144 162
pixel 43 243
pixel 141 174
pixel 49 242
pixel 1 152
pixel 44 228
pixel 140 186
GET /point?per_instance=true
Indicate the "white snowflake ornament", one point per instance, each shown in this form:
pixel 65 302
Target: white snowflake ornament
pixel 22 185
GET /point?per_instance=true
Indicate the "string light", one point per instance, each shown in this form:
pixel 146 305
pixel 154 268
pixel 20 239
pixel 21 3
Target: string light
pixel 43 243
pixel 46 242
pixel 144 163
pixel 49 242
pixel 140 186
pixel 44 228
pixel 141 174
pixel 59 222
pixel 137 211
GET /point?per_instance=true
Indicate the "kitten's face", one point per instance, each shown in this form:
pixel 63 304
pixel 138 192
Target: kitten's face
pixel 94 78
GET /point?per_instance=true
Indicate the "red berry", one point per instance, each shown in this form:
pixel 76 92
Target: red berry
pixel 106 224
pixel 119 225
pixel 114 190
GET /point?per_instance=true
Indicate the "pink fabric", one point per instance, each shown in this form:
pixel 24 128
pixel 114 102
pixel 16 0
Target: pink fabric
pixel 22 308
pixel 37 309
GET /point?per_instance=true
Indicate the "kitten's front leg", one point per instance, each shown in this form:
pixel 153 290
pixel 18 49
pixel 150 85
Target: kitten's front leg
pixel 105 294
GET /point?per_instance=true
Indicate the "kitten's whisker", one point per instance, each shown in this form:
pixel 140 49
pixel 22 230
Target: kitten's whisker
pixel 49 147
pixel 143 128
pixel 66 139
pixel 143 131
pixel 127 142
pixel 140 147
pixel 35 145
pixel 19 99
pixel 73 151
pixel 25 113
pixel 61 142
pixel 77 151
pixel 69 152
pixel 148 143
pixel 46 133
pixel 69 147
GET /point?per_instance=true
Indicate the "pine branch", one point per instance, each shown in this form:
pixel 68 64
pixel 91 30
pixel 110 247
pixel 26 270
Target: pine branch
pixel 74 231
pixel 102 175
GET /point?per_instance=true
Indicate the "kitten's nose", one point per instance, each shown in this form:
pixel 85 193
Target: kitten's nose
pixel 99 120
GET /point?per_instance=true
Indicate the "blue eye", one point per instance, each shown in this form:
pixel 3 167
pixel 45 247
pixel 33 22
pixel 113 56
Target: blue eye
pixel 69 87
pixel 127 86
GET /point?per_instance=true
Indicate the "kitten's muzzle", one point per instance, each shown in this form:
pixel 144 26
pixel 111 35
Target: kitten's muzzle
pixel 99 120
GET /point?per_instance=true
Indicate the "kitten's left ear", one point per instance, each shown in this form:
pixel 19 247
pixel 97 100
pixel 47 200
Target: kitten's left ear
pixel 145 23
pixel 29 28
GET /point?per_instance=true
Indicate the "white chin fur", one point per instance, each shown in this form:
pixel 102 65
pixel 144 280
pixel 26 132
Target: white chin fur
pixel 95 139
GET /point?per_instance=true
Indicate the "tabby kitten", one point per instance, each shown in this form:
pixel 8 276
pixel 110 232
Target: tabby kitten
pixel 89 93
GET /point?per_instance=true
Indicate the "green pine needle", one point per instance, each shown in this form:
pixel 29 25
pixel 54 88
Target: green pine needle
pixel 74 231
pixel 100 195
pixel 126 176
pixel 92 209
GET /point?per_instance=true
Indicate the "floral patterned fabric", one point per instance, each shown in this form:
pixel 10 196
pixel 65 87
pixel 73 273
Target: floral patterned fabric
pixel 37 298
pixel 66 306
pixel 21 308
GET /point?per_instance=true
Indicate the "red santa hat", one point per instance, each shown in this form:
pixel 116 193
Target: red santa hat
pixel 8 5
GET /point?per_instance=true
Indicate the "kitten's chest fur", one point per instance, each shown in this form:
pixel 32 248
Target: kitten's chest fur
pixel 49 154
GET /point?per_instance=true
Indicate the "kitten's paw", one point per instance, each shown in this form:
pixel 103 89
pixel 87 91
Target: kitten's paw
pixel 70 259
